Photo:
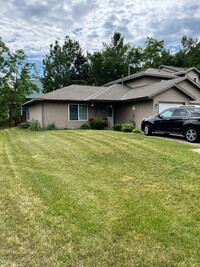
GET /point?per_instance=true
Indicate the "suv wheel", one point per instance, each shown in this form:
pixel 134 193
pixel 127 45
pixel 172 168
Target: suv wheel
pixel 147 129
pixel 191 134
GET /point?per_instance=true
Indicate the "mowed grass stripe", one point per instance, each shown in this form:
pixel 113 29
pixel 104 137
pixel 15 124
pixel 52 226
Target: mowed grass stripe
pixel 89 198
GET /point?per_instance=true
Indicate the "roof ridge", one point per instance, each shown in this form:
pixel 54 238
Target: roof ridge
pixel 97 93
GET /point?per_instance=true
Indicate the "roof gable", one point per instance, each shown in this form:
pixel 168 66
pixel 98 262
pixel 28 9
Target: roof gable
pixel 149 91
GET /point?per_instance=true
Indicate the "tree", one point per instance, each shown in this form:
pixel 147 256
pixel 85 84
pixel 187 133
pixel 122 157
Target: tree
pixel 188 55
pixel 194 56
pixel 154 53
pixel 64 65
pixel 118 59
pixel 113 61
pixel 15 83
pixel 187 43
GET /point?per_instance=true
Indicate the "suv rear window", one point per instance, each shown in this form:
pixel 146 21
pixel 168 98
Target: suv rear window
pixel 195 112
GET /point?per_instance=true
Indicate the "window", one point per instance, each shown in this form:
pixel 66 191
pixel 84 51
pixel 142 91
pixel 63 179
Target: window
pixel 167 113
pixel 195 79
pixel 78 112
pixel 180 113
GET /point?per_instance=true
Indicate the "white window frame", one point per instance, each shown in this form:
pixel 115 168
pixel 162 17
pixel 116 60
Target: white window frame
pixel 78 112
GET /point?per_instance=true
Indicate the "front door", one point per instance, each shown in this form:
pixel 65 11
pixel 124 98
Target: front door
pixel 110 115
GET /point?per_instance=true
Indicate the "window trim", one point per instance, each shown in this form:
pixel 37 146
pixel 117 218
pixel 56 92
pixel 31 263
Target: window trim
pixel 78 111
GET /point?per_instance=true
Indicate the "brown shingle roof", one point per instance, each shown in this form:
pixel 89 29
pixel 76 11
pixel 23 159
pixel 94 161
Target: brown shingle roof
pixel 84 93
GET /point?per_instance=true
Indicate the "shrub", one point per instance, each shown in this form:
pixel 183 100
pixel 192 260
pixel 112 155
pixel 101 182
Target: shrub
pixel 51 126
pixel 127 128
pixel 4 122
pixel 117 127
pixel 98 124
pixel 85 127
pixel 24 125
pixel 136 130
pixel 35 126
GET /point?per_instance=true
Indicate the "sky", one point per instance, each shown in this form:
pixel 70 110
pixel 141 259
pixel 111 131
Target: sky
pixel 32 25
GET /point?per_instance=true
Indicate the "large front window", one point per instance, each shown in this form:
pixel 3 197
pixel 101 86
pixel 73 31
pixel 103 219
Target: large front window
pixel 78 112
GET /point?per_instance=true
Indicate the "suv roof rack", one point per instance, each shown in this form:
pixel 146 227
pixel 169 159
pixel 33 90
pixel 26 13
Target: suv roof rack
pixel 192 106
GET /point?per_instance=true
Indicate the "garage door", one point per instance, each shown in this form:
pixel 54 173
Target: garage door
pixel 163 106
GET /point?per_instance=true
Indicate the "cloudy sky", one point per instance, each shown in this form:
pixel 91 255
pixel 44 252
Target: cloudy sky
pixel 32 25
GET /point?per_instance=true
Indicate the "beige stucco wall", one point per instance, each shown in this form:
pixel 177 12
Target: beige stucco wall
pixel 35 112
pixel 124 112
pixel 143 81
pixel 171 96
pixel 192 90
pixel 55 113
pixel 58 113
pixel 193 74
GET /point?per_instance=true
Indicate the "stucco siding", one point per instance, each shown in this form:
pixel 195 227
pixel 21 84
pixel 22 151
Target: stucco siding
pixel 192 90
pixel 55 113
pixel 143 81
pixel 35 112
pixel 193 75
pixel 171 96
pixel 128 112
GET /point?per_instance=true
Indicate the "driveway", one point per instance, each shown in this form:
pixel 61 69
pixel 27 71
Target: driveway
pixel 177 138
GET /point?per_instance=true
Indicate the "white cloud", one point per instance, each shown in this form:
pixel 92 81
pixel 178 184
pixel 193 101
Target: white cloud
pixel 33 25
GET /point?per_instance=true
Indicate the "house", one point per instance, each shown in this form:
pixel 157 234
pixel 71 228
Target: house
pixel 125 100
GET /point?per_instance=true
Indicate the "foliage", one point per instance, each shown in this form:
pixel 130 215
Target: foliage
pixel 137 130
pixel 51 126
pixel 127 127
pixel 91 119
pixel 188 55
pixel 35 126
pixel 154 53
pixel 117 127
pixel 98 124
pixel 16 75
pixel 84 126
pixel 64 65
pixel 112 61
pixel 24 125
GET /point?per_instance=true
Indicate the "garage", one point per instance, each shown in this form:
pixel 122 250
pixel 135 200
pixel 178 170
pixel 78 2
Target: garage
pixel 164 105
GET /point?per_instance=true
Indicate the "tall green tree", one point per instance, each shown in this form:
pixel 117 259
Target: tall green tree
pixel 15 82
pixel 64 65
pixel 188 55
pixel 193 56
pixel 154 53
pixel 113 61
pixel 187 43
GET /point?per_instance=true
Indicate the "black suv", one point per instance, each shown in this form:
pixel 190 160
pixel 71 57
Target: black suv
pixel 183 120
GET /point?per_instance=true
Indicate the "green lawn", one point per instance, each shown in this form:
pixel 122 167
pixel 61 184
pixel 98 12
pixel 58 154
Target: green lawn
pixel 97 198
